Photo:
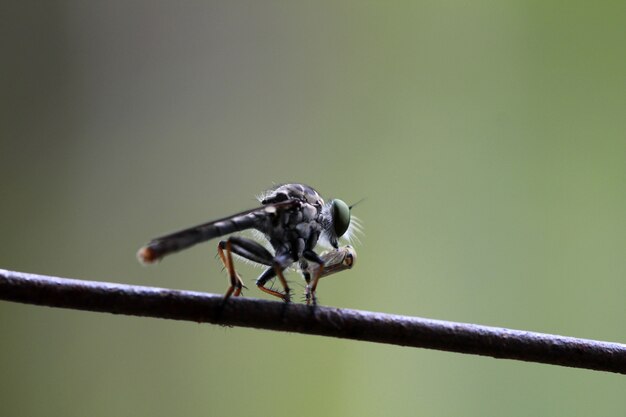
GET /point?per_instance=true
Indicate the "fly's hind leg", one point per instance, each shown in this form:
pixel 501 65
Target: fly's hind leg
pixel 245 248
pixel 224 250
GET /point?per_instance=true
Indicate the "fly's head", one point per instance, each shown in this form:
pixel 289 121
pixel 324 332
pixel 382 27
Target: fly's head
pixel 337 221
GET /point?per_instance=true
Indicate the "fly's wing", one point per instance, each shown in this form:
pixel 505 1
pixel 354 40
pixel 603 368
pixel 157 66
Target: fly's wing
pixel 174 242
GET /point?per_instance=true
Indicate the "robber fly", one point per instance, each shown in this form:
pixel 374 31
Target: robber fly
pixel 292 219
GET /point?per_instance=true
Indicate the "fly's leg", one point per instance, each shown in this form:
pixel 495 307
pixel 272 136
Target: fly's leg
pixel 304 266
pixel 312 297
pixel 224 250
pixel 311 285
pixel 276 270
pixel 269 274
pixel 307 289
pixel 245 248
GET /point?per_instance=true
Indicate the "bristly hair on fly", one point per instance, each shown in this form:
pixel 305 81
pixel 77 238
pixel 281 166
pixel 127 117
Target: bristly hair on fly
pixel 356 226
pixel 354 231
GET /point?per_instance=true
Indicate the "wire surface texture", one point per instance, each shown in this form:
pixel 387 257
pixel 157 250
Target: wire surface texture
pixel 324 321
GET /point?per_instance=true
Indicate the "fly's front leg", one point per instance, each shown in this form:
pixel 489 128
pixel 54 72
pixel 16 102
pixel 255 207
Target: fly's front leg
pixel 327 263
pixel 312 297
pixel 304 266
pixel 311 285
pixel 245 248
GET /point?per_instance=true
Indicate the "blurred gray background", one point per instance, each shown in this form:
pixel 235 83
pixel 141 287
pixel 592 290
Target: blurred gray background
pixel 488 138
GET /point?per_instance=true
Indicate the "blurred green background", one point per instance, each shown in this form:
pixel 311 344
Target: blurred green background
pixel 489 139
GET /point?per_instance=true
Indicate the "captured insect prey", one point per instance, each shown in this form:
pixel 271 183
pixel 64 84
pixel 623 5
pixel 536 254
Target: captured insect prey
pixel 292 219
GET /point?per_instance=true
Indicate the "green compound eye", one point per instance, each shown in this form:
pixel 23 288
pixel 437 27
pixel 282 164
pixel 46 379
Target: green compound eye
pixel 341 217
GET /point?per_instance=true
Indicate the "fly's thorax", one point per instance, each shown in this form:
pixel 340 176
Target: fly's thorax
pixel 293 230
pixel 286 192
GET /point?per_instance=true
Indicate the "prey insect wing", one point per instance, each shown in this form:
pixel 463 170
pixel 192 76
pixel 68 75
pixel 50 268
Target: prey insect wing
pixel 335 260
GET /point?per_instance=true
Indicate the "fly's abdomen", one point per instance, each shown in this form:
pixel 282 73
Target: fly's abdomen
pixel 165 245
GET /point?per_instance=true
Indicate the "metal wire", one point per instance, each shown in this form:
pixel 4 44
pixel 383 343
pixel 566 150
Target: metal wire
pixel 325 321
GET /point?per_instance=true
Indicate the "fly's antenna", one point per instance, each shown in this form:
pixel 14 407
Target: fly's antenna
pixel 358 202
